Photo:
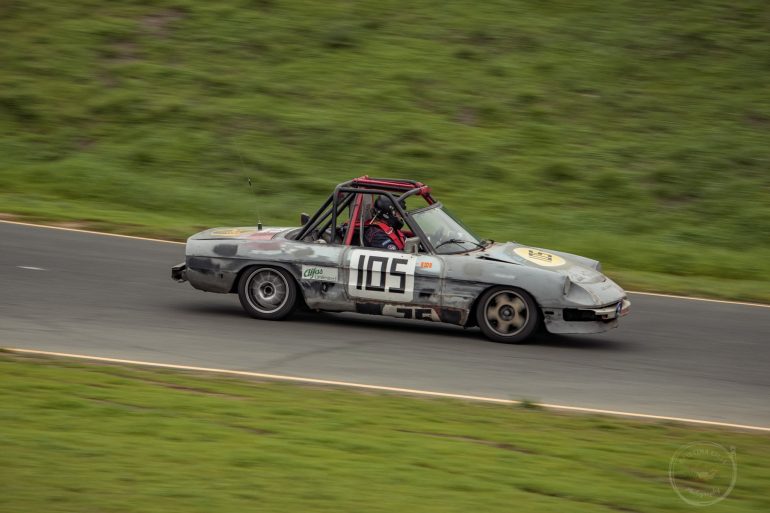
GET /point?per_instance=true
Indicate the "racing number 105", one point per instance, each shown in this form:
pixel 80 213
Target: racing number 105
pixel 377 269
pixel 381 275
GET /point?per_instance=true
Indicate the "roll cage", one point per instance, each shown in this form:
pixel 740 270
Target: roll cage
pixel 351 194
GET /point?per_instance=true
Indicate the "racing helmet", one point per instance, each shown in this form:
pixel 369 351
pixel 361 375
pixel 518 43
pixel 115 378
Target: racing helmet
pixel 384 209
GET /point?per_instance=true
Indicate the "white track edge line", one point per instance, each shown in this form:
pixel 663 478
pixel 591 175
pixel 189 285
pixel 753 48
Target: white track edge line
pixel 78 230
pixel 691 298
pixel 673 296
pixel 410 391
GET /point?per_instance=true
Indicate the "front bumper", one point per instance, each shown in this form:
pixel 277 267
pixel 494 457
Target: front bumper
pixel 585 320
pixel 179 273
pixel 606 313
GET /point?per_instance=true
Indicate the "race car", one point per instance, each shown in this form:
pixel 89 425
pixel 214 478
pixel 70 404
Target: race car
pixel 442 272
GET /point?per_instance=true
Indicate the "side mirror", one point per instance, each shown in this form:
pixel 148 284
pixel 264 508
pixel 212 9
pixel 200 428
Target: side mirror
pixel 303 219
pixel 412 245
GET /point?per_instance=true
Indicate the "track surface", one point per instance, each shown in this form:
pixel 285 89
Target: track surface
pixel 113 297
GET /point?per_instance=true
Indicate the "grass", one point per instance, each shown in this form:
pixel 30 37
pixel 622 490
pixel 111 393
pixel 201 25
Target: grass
pixel 635 133
pixel 79 437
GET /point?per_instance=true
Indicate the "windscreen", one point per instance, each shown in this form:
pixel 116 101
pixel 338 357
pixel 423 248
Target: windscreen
pixel 445 233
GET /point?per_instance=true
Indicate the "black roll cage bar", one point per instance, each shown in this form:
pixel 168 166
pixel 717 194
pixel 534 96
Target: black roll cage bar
pixel 344 194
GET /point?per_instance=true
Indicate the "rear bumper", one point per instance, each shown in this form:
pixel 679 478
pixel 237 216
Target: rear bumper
pixel 179 273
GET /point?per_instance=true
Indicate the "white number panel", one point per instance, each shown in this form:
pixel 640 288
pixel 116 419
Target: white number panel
pixel 385 275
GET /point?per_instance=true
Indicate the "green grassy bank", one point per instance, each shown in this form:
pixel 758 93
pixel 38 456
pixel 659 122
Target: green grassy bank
pixel 635 133
pixel 80 437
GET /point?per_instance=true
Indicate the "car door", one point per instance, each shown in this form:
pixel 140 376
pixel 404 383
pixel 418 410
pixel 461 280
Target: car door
pixel 394 283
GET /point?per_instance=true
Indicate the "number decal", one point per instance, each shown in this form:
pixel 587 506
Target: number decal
pixel 381 275
pixel 394 271
pixel 360 270
pixel 383 262
pixel 423 314
pixel 410 312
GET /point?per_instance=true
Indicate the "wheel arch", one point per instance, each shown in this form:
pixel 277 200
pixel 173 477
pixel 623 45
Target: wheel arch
pixel 280 265
pixel 472 321
pixel 522 332
pixel 544 286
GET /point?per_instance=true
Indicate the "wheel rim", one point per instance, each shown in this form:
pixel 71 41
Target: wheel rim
pixel 267 290
pixel 506 313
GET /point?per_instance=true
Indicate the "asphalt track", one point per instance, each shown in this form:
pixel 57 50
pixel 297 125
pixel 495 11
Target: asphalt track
pixel 91 294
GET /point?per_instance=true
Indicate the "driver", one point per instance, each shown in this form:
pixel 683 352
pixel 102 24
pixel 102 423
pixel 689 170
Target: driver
pixel 384 230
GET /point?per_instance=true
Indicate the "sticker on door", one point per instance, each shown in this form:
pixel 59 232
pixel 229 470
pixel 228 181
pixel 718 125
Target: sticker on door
pixel 384 275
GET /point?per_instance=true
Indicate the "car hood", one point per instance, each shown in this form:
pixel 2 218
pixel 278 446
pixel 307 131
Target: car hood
pixel 579 269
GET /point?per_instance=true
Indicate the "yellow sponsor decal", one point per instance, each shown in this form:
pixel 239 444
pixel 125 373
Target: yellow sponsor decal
pixel 540 257
pixel 232 232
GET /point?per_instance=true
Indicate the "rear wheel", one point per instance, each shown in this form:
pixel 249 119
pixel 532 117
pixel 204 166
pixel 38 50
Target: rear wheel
pixel 507 314
pixel 267 293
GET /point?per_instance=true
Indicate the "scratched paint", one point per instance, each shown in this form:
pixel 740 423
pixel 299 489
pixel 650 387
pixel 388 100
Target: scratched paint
pixel 447 286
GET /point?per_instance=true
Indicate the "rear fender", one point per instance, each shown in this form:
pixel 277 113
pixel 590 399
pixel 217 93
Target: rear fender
pixel 289 268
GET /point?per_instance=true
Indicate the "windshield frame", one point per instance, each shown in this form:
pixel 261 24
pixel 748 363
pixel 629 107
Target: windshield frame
pixel 431 248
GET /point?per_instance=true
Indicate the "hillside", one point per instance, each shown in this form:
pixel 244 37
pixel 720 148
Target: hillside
pixel 636 133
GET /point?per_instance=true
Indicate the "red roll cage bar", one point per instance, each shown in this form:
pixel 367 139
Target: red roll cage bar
pixel 394 188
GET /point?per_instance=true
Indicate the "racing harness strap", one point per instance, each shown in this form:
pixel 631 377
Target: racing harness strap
pixel 396 236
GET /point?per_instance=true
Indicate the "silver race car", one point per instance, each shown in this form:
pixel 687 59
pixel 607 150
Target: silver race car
pixel 442 273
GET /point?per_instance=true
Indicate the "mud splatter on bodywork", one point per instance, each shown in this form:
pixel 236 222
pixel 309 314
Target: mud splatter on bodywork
pixel 569 289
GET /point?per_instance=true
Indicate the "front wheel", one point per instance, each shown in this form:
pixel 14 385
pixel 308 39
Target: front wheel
pixel 267 293
pixel 507 314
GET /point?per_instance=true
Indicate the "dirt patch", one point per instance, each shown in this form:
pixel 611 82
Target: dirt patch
pixel 757 119
pixel 467 116
pixel 158 24
pixel 124 51
pixel 491 443
pixel 107 402
pixel 189 389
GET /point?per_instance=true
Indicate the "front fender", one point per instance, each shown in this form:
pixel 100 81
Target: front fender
pixel 551 288
pixel 468 278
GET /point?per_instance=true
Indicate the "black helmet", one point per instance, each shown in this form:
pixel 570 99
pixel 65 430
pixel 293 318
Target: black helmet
pixel 384 209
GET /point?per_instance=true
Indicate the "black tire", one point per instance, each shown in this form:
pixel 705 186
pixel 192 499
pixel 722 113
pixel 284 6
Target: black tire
pixel 507 314
pixel 267 293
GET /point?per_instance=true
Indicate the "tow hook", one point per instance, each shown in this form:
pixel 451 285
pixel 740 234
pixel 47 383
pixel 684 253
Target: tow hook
pixel 179 273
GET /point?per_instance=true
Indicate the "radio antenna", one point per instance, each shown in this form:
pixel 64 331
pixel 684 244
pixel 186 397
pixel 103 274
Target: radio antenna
pixel 259 219
pixel 251 187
